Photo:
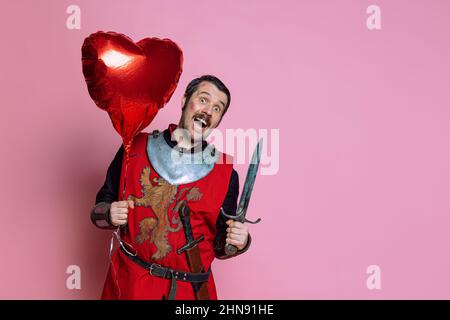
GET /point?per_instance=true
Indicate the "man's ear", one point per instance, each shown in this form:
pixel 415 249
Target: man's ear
pixel 182 102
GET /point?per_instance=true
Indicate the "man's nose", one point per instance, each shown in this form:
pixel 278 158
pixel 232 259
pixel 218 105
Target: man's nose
pixel 207 109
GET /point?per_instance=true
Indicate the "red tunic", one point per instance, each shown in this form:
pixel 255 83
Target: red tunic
pixel 155 230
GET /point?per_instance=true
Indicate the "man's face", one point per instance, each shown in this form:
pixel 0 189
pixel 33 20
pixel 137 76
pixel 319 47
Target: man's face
pixel 203 110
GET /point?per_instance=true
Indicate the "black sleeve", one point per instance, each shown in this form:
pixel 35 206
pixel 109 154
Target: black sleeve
pixel 229 206
pixel 108 193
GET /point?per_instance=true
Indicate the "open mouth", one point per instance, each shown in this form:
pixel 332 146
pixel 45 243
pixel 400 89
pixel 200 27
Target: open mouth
pixel 201 120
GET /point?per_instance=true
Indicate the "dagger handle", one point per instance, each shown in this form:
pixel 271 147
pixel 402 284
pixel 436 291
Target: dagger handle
pixel 185 214
pixel 230 249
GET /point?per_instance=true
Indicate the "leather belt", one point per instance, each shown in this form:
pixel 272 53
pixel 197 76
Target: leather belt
pixel 167 273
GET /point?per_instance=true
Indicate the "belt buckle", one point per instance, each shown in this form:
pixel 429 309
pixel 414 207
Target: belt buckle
pixel 153 265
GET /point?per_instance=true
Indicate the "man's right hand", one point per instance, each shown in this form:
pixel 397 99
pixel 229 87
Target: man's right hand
pixel 118 214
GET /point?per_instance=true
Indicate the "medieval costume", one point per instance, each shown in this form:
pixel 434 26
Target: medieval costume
pixel 147 265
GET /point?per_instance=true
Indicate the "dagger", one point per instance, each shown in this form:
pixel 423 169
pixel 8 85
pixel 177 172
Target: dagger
pixel 246 194
pixel 192 251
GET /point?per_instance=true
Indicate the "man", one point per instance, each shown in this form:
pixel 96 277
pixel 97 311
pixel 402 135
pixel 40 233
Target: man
pixel 158 188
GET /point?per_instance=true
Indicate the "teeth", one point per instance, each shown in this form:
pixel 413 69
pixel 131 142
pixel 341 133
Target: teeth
pixel 201 120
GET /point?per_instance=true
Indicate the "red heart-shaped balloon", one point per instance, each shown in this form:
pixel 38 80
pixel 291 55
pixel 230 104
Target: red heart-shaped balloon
pixel 131 81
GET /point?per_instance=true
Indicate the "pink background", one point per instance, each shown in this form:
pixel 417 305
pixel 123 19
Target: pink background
pixel 364 127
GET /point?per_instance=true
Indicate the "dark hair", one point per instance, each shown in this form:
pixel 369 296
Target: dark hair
pixel 193 86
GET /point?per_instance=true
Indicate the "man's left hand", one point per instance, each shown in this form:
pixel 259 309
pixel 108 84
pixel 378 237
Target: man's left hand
pixel 237 234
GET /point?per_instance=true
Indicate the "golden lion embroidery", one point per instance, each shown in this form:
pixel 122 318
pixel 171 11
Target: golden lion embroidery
pixel 159 198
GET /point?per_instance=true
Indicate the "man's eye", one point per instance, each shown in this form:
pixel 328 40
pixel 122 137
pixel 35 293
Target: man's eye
pixel 216 109
pixel 202 100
